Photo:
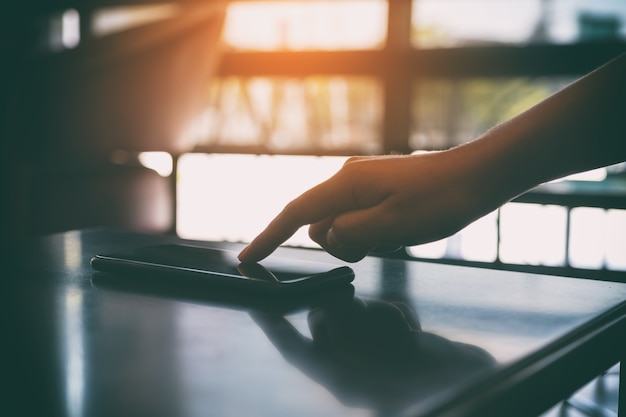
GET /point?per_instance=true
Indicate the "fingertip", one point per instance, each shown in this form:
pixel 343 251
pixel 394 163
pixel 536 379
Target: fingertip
pixel 242 255
pixel 250 254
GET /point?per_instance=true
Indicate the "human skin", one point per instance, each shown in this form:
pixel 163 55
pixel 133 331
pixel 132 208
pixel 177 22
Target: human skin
pixel 393 201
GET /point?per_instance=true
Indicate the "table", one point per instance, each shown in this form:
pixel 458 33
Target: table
pixel 419 339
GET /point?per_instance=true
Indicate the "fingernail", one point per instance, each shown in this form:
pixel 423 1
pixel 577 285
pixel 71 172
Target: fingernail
pixel 331 239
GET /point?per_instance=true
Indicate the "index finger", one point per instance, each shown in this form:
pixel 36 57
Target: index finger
pixel 320 202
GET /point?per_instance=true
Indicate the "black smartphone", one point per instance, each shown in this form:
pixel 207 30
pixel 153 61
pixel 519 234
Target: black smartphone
pixel 211 268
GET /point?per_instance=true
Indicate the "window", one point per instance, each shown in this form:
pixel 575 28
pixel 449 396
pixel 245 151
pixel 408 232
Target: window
pixel 459 23
pixel 289 114
pixel 310 78
pixel 301 25
pixel 448 112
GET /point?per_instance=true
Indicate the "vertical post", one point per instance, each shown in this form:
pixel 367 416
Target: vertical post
pixel 498 234
pixel 173 187
pixel 621 399
pixel 396 127
pixel 568 226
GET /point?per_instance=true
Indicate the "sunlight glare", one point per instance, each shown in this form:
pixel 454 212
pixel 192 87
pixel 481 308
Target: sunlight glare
pixel 72 249
pixel 269 25
pixel 616 245
pixel 109 20
pixel 70 32
pixel 532 234
pixel 588 237
pixel 449 23
pixel 73 351
pixel 160 162
pixel 479 240
pixel 595 175
pixel 453 22
pixel 432 250
pixel 232 197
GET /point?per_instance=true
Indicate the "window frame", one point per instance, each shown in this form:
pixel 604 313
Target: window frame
pixel 398 65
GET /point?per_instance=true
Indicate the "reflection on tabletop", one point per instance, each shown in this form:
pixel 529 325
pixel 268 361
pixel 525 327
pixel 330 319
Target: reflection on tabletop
pixel 373 354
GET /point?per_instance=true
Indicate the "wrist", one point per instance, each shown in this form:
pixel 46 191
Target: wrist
pixel 490 173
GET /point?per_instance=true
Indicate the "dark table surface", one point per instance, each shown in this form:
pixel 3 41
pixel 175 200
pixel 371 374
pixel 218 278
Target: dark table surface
pixel 415 339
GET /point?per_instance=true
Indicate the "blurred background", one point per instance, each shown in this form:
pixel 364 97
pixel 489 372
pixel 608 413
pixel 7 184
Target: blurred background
pixel 203 118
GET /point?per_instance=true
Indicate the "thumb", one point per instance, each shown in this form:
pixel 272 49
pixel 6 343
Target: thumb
pixel 353 235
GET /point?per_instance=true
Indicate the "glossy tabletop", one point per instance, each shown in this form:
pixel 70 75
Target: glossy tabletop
pixel 410 338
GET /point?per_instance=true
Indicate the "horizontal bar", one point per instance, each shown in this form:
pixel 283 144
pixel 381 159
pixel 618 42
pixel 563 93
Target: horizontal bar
pixel 530 60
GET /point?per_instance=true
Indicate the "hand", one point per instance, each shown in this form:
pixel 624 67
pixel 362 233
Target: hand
pixel 372 353
pixel 387 201
pixel 408 200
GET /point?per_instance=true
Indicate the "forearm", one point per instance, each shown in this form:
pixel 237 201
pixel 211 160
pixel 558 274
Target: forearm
pixel 579 128
pixel 420 198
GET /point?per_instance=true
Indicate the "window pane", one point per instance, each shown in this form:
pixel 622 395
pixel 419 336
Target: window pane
pixel 616 245
pixel 533 234
pixel 322 113
pixel 297 25
pixel 453 23
pixel 449 112
pixel 251 189
pixel 588 237
pixel 477 242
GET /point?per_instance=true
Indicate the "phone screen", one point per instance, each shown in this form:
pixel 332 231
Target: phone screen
pixel 215 266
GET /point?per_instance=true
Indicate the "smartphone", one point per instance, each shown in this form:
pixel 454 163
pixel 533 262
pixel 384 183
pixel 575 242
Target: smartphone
pixel 211 268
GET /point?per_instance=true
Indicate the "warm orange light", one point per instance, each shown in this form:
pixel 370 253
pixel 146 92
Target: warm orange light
pixel 297 25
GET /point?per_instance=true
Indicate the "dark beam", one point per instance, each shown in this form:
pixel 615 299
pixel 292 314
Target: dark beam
pixel 531 60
